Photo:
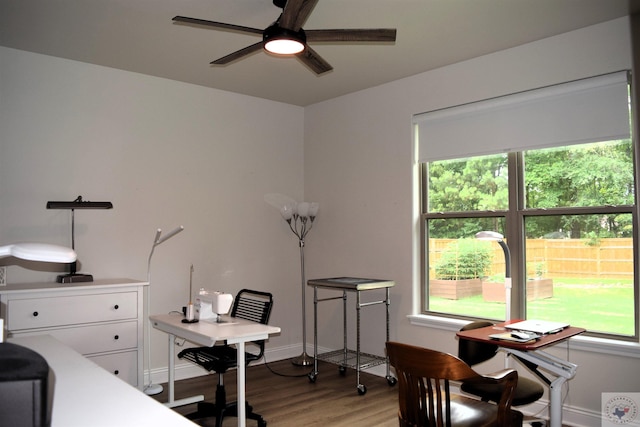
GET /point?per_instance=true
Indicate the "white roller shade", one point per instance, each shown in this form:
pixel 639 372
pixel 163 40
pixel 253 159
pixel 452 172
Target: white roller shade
pixel 589 110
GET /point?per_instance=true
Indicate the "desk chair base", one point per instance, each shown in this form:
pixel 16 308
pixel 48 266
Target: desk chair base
pixel 221 409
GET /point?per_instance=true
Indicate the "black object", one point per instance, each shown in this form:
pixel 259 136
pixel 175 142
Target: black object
pixel 26 387
pixel 289 25
pixel 184 313
pixel 472 352
pixel 249 305
pixel 78 203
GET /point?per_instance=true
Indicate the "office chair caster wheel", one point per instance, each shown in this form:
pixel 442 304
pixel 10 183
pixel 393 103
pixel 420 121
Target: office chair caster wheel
pixel 391 381
pixel 342 370
pixel 262 423
pixel 362 389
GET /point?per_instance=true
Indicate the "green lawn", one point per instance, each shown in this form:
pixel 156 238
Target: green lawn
pixel 604 307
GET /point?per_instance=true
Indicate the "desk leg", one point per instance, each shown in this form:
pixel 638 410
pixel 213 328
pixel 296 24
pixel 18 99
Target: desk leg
pixel 172 368
pixel 555 399
pixel 242 405
pixel 172 403
pixel 562 369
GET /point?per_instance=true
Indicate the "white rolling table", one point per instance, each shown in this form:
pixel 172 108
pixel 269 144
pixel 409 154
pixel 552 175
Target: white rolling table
pixel 207 333
pixel 87 395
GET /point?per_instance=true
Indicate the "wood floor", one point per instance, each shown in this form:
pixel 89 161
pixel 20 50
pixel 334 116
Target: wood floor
pixel 288 398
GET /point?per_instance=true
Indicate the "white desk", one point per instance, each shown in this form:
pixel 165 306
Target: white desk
pixel 87 395
pixel 207 333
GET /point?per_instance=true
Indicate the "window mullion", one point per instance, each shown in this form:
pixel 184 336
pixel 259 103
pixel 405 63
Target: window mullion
pixel 515 235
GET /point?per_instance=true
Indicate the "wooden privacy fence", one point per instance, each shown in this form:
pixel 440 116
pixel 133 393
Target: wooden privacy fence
pixel 576 258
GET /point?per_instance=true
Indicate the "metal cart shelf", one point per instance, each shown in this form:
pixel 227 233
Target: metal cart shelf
pixel 346 358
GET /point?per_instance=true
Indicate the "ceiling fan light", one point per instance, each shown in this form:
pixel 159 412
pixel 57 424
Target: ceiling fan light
pixel 282 41
pixel 284 46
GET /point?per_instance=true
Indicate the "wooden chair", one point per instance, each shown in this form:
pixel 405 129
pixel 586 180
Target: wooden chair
pixel 425 398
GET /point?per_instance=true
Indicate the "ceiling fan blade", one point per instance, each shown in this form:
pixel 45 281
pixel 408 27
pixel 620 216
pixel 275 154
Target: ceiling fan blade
pixel 352 35
pixel 238 54
pixel 213 24
pixel 295 13
pixel 314 61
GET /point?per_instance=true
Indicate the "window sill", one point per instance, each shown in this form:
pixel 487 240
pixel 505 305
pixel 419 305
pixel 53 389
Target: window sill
pixel 581 343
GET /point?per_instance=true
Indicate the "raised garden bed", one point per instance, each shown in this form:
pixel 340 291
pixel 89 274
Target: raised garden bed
pixel 455 289
pixel 536 289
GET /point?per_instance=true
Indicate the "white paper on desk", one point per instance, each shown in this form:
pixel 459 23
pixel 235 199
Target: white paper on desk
pixel 506 336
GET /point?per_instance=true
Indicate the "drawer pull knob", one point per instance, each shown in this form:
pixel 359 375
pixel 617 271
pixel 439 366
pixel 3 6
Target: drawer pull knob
pixel 116 372
pixel 116 337
pixel 116 306
pixel 35 314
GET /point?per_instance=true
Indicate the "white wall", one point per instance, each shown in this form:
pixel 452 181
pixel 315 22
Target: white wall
pixel 166 154
pixel 359 166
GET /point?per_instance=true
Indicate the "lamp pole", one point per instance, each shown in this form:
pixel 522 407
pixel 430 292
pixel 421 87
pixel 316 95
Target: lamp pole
pixel 151 388
pixel 300 217
pixel 497 237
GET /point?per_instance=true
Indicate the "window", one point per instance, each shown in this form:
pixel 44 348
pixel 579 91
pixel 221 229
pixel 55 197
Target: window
pixel 564 200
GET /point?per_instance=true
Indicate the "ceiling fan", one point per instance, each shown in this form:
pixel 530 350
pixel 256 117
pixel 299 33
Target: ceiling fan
pixel 286 37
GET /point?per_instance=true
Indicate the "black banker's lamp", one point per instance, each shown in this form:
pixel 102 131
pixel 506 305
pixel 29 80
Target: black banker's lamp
pixel 78 203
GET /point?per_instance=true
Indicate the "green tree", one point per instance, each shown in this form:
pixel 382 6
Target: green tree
pixel 598 174
pixel 466 185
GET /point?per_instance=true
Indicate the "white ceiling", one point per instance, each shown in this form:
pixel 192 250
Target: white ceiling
pixel 139 36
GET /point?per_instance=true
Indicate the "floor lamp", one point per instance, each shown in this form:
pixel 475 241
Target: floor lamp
pixel 151 389
pixel 497 237
pixel 300 217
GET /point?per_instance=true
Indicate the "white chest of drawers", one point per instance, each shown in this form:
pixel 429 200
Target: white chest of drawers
pixel 103 320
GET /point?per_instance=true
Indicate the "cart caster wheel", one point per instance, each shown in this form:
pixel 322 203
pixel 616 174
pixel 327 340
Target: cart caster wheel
pixel 312 378
pixel 362 389
pixel 392 381
pixel 342 370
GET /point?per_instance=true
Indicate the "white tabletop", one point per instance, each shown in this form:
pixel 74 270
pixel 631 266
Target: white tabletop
pixel 208 332
pixel 87 395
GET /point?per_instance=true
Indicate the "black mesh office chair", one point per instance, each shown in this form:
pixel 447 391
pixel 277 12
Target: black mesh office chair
pixel 473 352
pixel 249 305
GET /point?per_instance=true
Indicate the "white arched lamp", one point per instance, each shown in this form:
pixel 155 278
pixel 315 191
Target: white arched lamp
pixel 42 252
pixel 497 237
pixel 151 388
